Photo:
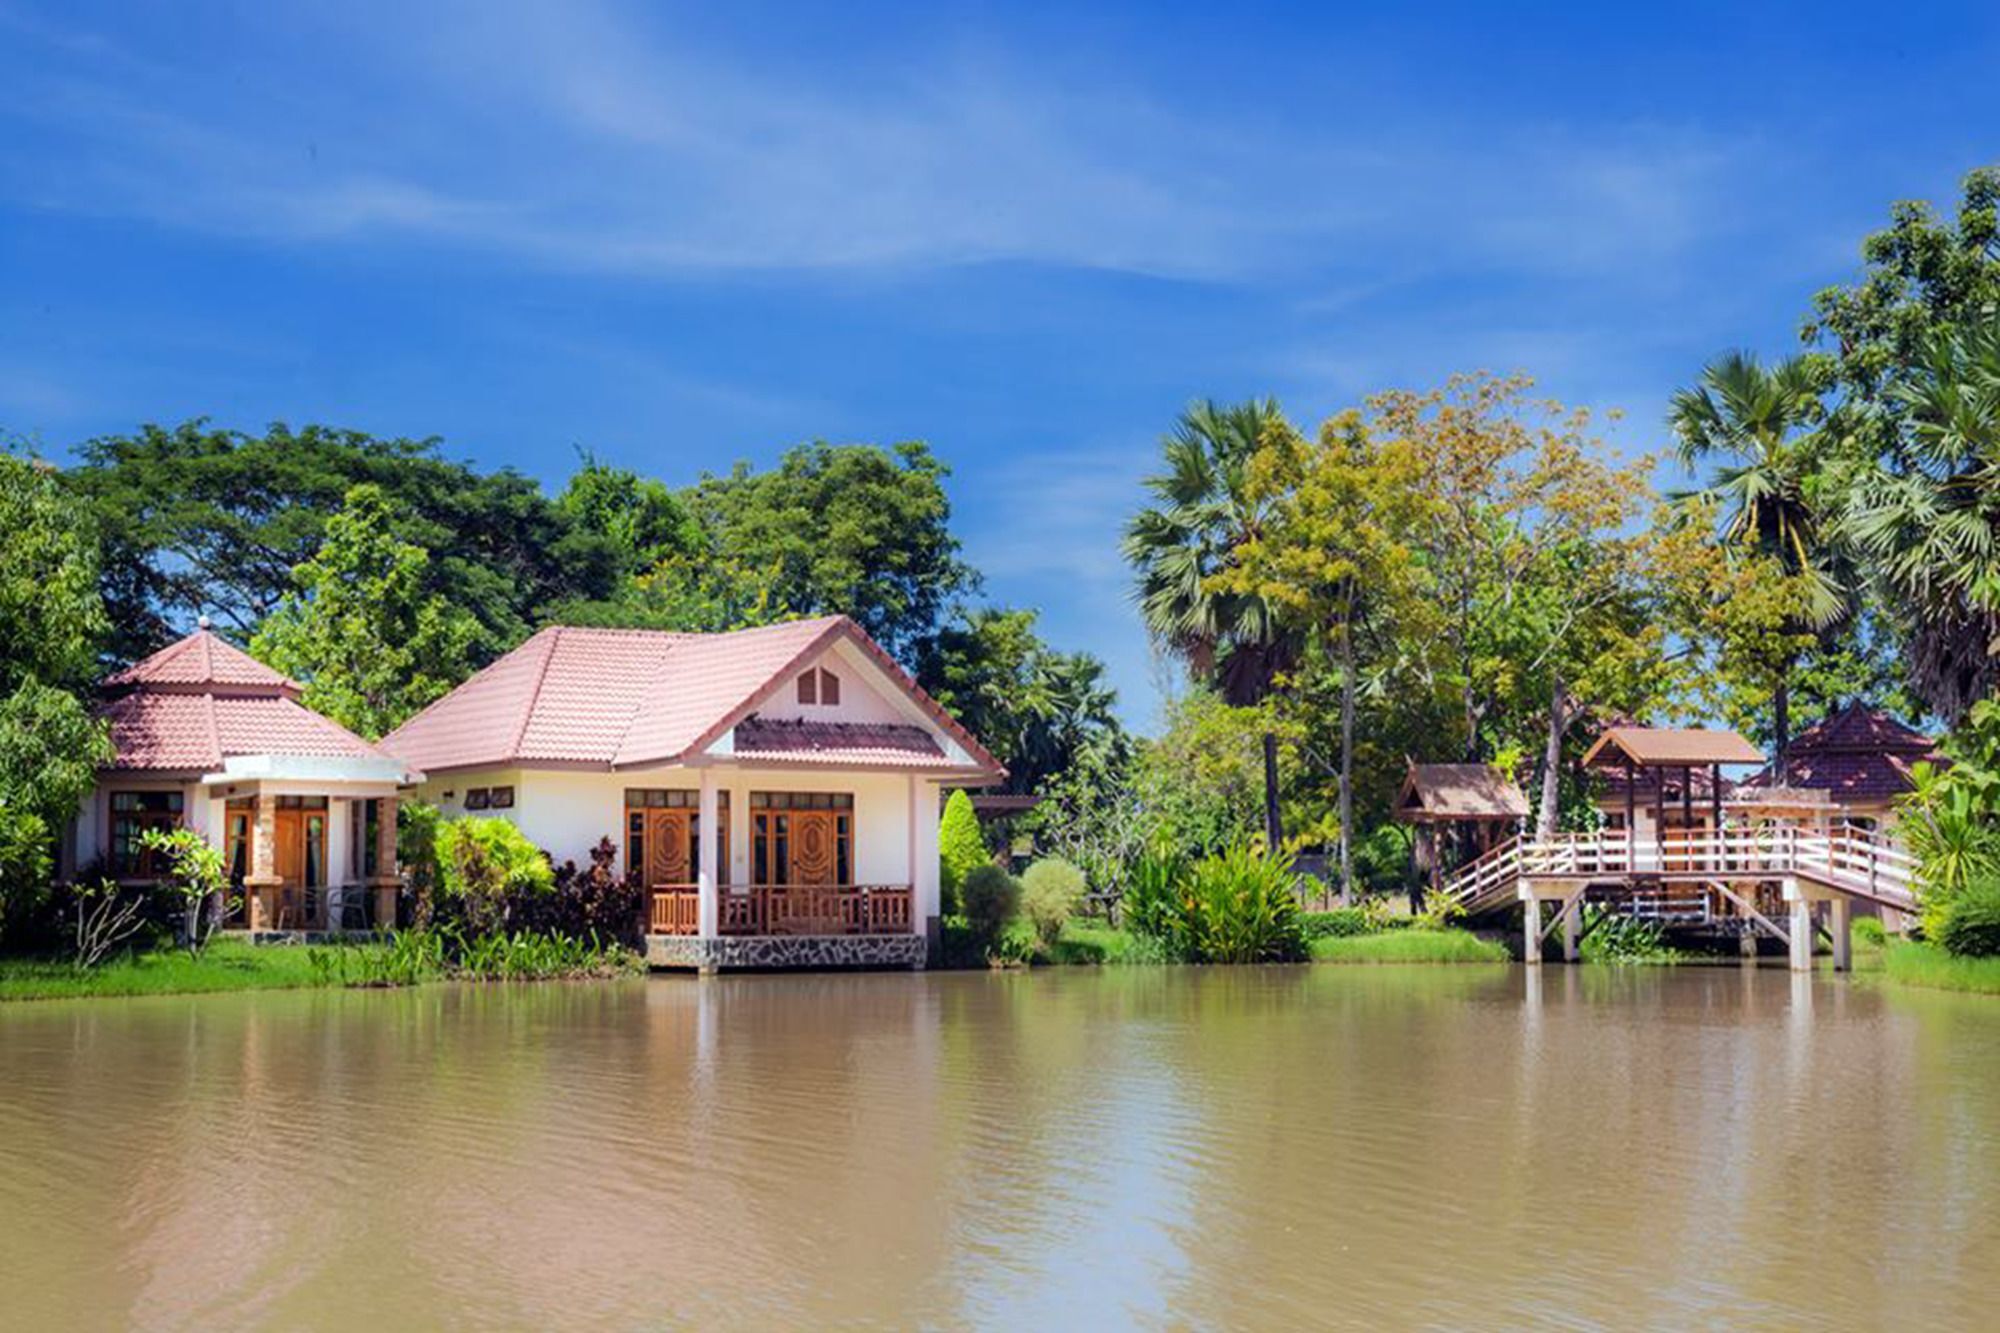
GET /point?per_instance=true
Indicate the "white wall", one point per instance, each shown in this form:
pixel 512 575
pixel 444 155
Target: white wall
pixel 565 812
pixel 865 695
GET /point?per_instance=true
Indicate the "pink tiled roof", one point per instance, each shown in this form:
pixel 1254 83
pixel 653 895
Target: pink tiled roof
pixel 200 701
pixel 626 698
pixel 838 743
pixel 203 658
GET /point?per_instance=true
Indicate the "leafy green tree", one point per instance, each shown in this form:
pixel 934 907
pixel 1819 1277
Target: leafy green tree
pixel 361 631
pixel 199 521
pixel 852 529
pixel 1037 709
pixel 1333 553
pixel 961 846
pixel 51 618
pixel 642 518
pixel 1204 510
pixel 1925 277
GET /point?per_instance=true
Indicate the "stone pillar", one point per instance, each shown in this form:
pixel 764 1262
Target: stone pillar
pixel 1839 919
pixel 1801 927
pixel 708 909
pixel 1572 946
pixel 260 886
pixel 926 879
pixel 384 884
pixel 1531 927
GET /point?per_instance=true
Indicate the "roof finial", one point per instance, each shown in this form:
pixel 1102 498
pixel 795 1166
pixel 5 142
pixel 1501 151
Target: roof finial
pixel 201 622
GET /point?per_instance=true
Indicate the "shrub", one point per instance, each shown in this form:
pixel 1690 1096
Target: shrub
pixel 1613 937
pixel 1971 926
pixel 196 879
pixel 1150 904
pixel 961 848
pixel 1340 923
pixel 1870 930
pixel 485 866
pixel 1240 907
pixel 1050 892
pixel 990 899
pixel 416 849
pixel 596 900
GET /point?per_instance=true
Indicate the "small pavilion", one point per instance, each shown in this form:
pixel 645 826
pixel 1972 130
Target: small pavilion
pixel 1473 805
pixel 1648 762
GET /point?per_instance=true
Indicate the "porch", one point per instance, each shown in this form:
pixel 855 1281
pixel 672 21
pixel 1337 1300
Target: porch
pixel 835 909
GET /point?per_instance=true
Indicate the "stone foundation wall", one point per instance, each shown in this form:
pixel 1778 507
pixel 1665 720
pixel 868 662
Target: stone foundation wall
pixel 748 952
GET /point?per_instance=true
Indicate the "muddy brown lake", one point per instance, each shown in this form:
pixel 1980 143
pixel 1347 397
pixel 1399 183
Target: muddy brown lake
pixel 1079 1148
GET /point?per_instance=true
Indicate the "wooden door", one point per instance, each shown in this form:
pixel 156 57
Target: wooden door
pixel 667 848
pixel 815 842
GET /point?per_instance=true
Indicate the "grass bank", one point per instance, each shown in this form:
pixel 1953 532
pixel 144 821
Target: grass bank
pixel 1408 946
pixel 227 965
pixel 1910 963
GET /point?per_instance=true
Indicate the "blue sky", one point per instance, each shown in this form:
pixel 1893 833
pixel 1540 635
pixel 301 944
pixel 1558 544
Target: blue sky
pixel 679 237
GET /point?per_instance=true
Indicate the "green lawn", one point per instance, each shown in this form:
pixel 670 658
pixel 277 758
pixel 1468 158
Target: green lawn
pixel 1409 946
pixel 227 965
pixel 1909 963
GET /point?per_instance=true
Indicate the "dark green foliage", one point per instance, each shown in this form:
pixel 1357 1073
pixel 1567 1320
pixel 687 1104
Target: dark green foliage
pixel 1612 937
pixel 1151 900
pixel 852 529
pixel 1237 906
pixel 202 521
pixel 990 899
pixel 1971 926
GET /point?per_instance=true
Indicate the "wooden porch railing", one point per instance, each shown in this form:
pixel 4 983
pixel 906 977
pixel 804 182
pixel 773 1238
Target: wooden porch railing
pixel 840 909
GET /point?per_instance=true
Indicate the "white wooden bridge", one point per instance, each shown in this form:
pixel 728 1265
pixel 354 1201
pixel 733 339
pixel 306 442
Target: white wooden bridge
pixel 1838 866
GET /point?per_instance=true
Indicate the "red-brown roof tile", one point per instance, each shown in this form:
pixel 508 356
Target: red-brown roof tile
pixel 1857 755
pixel 629 698
pixel 782 741
pixel 203 658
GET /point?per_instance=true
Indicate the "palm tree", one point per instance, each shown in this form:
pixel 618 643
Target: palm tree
pixel 1928 519
pixel 1763 421
pixel 1202 513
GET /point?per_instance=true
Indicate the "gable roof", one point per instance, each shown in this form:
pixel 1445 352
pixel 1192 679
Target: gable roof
pixel 1674 746
pixel 202 701
pixel 203 660
pixel 1856 754
pixel 625 698
pixel 1447 792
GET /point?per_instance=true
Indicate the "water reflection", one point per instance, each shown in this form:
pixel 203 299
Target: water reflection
pixel 1371 1146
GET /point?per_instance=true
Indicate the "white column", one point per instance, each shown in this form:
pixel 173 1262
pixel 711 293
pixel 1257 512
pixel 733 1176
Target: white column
pixel 708 910
pixel 1801 927
pixel 1571 946
pixel 339 857
pixel 739 837
pixel 925 890
pixel 1531 926
pixel 1840 912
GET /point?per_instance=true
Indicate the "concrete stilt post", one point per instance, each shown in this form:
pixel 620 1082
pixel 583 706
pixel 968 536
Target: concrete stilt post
pixel 1531 928
pixel 1839 919
pixel 1801 928
pixel 1571 944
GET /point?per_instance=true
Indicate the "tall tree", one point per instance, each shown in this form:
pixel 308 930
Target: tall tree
pixel 1333 552
pixel 50 620
pixel 1927 516
pixel 359 629
pixel 1761 423
pixel 201 521
pixel 1204 511
pixel 855 529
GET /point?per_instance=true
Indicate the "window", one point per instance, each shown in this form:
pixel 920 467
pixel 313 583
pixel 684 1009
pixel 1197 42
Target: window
pixel 236 824
pixel 132 813
pixel 801 800
pixel 819 686
pixel 489 798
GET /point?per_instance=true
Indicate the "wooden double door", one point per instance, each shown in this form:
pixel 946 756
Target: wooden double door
pixel 670 846
pixel 298 846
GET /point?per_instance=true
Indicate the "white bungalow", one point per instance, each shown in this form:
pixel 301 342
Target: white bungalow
pixel 304 811
pixel 776 790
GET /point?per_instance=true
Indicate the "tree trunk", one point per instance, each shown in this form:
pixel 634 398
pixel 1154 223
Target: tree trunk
pixel 1545 824
pixel 1781 703
pixel 1347 687
pixel 1274 833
